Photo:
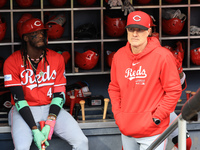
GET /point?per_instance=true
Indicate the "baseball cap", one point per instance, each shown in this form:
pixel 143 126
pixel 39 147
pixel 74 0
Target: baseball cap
pixel 138 19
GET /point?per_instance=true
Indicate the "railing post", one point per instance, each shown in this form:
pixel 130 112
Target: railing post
pixel 181 134
pixel 165 134
pixel 188 112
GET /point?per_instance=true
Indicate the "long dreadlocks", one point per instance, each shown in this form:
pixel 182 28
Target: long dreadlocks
pixel 24 51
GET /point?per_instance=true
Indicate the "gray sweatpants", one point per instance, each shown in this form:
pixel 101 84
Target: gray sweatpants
pixel 138 143
pixel 66 128
pixel 131 143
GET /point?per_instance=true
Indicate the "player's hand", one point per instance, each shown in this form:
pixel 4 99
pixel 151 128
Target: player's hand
pixel 39 139
pixel 45 131
pixel 48 129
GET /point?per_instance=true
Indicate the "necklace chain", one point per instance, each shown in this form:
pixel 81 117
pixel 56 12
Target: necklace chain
pixel 37 59
pixel 32 64
pixel 41 73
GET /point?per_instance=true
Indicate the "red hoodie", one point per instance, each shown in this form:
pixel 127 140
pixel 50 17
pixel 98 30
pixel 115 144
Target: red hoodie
pixel 143 86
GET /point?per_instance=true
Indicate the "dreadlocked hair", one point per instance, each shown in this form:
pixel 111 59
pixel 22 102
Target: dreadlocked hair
pixel 24 53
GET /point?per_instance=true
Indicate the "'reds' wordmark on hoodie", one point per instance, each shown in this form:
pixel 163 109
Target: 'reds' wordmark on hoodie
pixel 139 74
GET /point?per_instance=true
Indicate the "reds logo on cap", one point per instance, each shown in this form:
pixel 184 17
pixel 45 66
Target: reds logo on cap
pixel 137 18
pixel 37 23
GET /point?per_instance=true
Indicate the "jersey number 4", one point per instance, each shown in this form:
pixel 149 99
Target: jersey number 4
pixel 49 93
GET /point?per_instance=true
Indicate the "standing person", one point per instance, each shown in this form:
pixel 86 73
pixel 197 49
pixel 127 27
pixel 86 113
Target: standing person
pixel 145 85
pixel 35 76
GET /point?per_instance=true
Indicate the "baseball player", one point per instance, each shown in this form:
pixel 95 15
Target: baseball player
pixel 145 85
pixel 35 76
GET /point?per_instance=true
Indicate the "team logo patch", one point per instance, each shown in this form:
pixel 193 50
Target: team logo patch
pixel 7 104
pixel 8 77
pixel 137 18
pixel 37 23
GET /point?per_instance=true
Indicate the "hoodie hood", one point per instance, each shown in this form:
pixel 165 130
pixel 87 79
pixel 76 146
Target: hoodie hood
pixel 152 44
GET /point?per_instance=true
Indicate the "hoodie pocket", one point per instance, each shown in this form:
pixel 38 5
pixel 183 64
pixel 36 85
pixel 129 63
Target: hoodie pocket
pixel 136 124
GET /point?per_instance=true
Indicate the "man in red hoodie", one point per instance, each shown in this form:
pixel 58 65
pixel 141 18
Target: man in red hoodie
pixel 145 85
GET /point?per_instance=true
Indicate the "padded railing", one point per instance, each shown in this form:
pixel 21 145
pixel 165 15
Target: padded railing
pixel 189 112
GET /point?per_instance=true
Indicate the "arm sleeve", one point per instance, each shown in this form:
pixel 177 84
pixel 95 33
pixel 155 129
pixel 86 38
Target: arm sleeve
pixel 59 88
pixel 12 80
pixel 55 109
pixel 25 112
pixel 170 81
pixel 114 91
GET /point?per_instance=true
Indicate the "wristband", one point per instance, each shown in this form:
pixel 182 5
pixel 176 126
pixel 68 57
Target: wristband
pixel 51 117
pixel 59 94
pixel 21 104
pixel 57 101
pixel 51 123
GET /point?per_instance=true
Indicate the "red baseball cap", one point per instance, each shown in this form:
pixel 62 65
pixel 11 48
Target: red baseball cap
pixel 139 19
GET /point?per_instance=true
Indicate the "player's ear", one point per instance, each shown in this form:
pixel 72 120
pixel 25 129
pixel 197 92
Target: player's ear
pixel 150 31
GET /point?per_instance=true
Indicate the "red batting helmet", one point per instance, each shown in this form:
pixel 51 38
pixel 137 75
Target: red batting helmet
pixel 24 3
pixel 55 26
pixel 86 2
pixel 87 60
pixel 23 18
pixel 3 28
pixel 180 48
pixel 178 56
pixel 57 3
pixel 173 1
pixel 195 56
pixel 143 1
pixel 109 57
pixel 2 3
pixel 114 27
pixel 178 53
pixel 66 56
pixel 168 47
pixel 176 50
pixel 172 26
pixel 32 25
pixel 83 92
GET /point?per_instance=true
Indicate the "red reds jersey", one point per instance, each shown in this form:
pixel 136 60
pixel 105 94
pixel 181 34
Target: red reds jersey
pixel 38 88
